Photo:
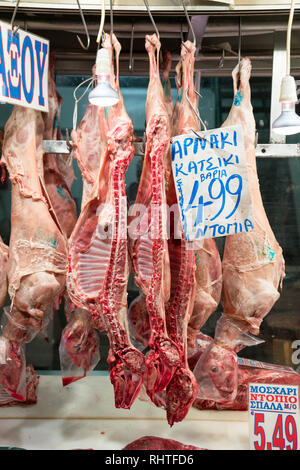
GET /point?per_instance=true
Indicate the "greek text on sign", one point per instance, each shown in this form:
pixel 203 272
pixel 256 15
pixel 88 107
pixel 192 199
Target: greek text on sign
pixel 24 61
pixel 211 180
pixel 273 417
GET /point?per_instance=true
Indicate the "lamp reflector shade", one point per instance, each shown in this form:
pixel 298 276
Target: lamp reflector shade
pixel 288 122
pixel 103 95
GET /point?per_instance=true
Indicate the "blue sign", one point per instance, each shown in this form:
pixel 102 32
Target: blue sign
pixel 24 59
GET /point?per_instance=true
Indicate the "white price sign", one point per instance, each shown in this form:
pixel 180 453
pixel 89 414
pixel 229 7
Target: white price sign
pixel 273 417
pixel 24 61
pixel 211 180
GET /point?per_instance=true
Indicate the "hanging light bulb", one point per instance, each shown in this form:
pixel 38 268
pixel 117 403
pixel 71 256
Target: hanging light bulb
pixel 288 122
pixel 103 94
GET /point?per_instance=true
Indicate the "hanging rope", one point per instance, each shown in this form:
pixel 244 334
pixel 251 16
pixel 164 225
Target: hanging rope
pixel 288 38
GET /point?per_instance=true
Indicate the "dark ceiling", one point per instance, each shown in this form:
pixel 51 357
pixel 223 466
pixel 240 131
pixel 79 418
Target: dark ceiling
pixel 214 34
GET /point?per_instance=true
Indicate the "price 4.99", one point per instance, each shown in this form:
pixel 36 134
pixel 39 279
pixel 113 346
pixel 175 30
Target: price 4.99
pixel 283 436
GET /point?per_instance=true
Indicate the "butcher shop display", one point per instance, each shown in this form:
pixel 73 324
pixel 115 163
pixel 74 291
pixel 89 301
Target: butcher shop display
pixel 99 261
pixel 180 283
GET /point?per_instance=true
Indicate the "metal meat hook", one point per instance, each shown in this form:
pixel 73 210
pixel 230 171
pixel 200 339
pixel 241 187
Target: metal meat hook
pixel 152 43
pixel 190 26
pixel 85 28
pixel 13 19
pixel 240 40
pixel 221 61
pixel 195 110
pixel 152 21
pixel 239 51
pixel 68 143
pixel 131 49
pixel 189 50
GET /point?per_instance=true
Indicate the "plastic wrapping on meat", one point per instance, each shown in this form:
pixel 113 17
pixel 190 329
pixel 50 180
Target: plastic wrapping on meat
pixel 28 395
pixel 248 375
pixel 217 368
pixel 13 362
pixel 79 347
pixel 22 327
pixel 12 370
pixel 265 373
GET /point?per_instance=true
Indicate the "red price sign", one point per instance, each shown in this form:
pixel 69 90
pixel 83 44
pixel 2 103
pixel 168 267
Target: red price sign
pixel 284 437
pixel 273 417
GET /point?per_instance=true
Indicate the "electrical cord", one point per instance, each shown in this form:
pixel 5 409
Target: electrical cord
pixel 288 38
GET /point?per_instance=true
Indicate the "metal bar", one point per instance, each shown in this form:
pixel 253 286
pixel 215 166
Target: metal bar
pixel 56 146
pixel 277 150
pixel 216 26
pixel 168 8
pixel 76 27
pixel 173 28
pixel 208 68
pixel 60 146
pixel 140 56
pixel 278 71
pixel 262 150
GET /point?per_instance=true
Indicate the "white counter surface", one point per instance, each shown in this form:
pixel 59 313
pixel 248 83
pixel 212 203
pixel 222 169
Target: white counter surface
pixel 82 415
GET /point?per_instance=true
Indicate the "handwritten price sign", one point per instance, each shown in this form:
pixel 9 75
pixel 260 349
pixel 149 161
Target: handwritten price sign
pixel 273 415
pixel 211 180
